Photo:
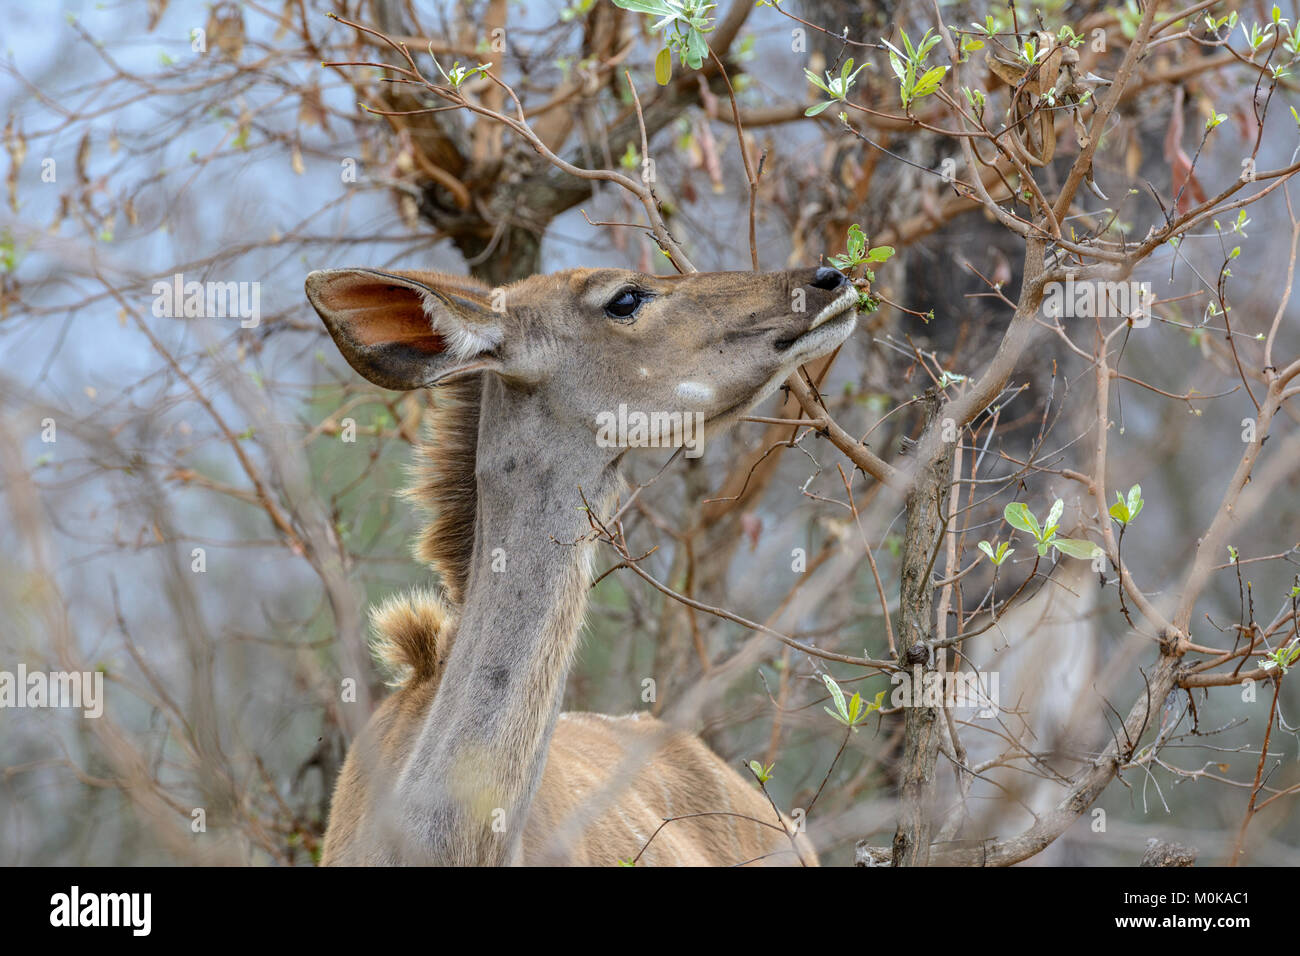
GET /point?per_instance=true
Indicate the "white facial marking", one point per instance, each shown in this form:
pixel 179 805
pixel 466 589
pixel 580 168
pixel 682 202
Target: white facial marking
pixel 837 307
pixel 464 340
pixel 695 391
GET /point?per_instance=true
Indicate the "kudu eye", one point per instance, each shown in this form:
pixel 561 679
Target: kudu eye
pixel 625 304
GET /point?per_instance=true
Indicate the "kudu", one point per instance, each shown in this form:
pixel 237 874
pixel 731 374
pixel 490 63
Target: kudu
pixel 470 761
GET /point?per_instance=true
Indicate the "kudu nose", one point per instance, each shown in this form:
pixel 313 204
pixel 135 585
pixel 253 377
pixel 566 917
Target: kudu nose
pixel 828 279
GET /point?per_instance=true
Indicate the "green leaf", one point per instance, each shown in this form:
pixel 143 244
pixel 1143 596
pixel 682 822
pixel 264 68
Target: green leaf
pixel 1004 550
pixel 1018 515
pixel 1134 501
pixel 836 693
pixel 1054 517
pixel 896 64
pixel 817 108
pixel 856 241
pixel 1076 547
pixel 880 254
pixel 631 158
pixel 696 49
pixel 816 81
pixel 929 81
pixel 664 66
pixel 656 8
pixel 911 50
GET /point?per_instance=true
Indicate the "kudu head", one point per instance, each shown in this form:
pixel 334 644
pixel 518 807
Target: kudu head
pixel 585 341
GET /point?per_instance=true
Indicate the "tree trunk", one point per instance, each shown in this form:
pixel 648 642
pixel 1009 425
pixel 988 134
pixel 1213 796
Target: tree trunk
pixel 926 507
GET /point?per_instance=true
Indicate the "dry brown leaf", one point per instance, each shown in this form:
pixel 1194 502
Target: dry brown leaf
pixel 1133 155
pixel 156 9
pixel 16 147
pixel 311 112
pixel 285 20
pixel 225 29
pixel 709 153
pixel 83 156
pixel 1184 182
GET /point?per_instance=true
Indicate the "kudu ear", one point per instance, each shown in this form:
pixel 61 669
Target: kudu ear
pixel 403 332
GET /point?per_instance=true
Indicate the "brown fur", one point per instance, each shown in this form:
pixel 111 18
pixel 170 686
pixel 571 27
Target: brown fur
pixel 678 776
pixel 407 637
pixel 442 484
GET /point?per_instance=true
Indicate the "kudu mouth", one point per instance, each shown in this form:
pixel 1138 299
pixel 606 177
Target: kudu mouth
pixel 826 330
pixel 840 309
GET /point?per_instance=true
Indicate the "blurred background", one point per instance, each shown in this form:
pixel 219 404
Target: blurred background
pixel 203 509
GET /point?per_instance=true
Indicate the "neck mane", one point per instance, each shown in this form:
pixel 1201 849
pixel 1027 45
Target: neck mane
pixel 507 538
